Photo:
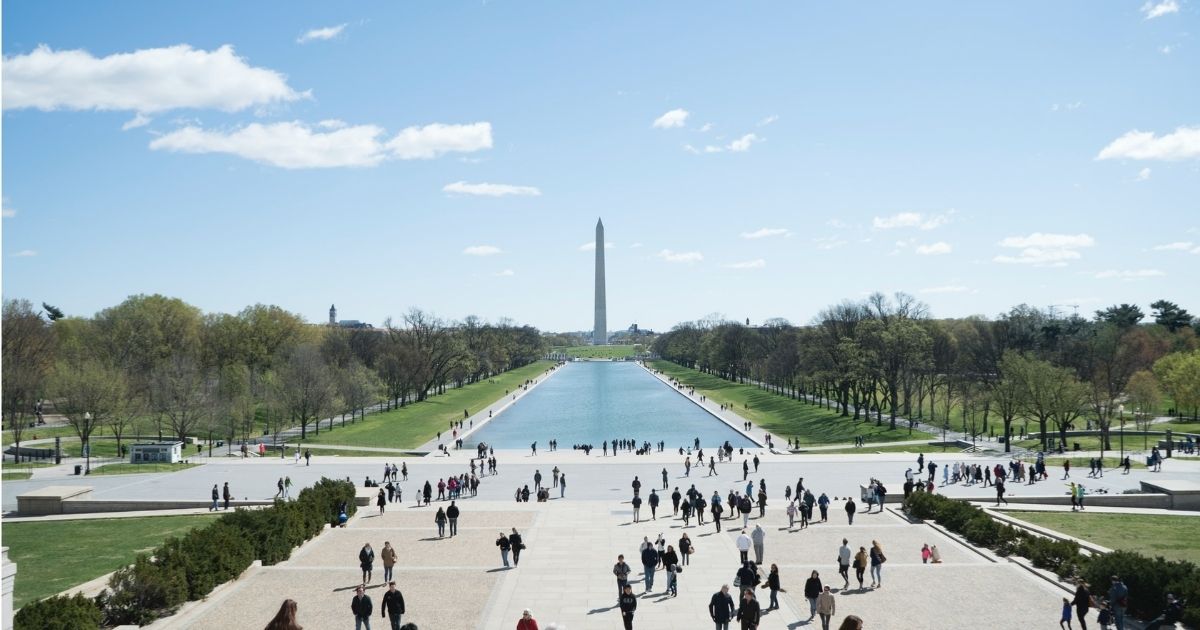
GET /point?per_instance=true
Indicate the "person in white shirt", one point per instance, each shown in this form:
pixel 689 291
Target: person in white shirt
pixel 844 562
pixel 743 545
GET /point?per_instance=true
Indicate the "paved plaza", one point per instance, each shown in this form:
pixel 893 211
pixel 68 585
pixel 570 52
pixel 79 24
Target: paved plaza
pixel 565 574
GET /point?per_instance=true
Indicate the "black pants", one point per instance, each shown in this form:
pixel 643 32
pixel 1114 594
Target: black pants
pixel 627 619
pixel 516 554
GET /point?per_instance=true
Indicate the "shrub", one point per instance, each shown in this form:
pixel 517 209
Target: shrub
pixel 1149 580
pixel 59 613
pixel 209 556
pixel 143 592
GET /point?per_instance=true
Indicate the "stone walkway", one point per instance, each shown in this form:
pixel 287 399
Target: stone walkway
pixel 565 573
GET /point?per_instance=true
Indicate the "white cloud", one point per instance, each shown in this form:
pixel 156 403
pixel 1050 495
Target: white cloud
pixel 331 123
pixel 935 249
pixel 911 219
pixel 1158 9
pixel 139 120
pixel 329 32
pixel 1166 50
pixel 485 189
pixel 5 210
pixel 430 141
pixel 673 118
pixel 768 120
pixel 149 80
pixel 1129 274
pixel 1178 246
pixel 1145 145
pixel 1066 107
pixel 837 224
pixel 296 145
pixel 634 246
pixel 482 250
pixel 829 242
pixel 1143 174
pixel 1045 250
pixel 680 257
pixel 765 232
pixel 743 144
pixel 24 253
pixel 505 273
pixel 590 246
pixel 757 263
pixel 953 288
pixel 706 127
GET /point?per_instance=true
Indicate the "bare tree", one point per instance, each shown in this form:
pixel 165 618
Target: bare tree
pixel 28 355
pixel 306 388
pixel 89 394
pixel 181 391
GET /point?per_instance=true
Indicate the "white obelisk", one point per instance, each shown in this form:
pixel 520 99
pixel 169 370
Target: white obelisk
pixel 600 330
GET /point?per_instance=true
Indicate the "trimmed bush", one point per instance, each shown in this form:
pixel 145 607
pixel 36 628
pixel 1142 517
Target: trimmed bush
pixel 1149 579
pixel 59 613
pixel 143 592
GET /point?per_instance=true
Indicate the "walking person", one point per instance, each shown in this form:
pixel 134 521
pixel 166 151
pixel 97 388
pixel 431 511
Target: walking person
pixel 637 507
pixel 812 590
pixel 670 562
pixel 366 561
pixel 388 555
pixel 664 476
pixel 653 500
pixel 393 605
pixel 844 563
pixel 860 565
pixel 1000 492
pixel 279 490
pixel 452 516
pixel 226 494
pixel 216 499
pixel 1082 602
pixel 877 560
pixel 440 519
pixel 1118 601
pixel 381 501
pixel 518 545
pixel 628 605
pixel 562 485
pixel 285 619
pixel 685 548
pixel 287 487
pixel 850 509
pixel 743 545
pixel 649 564
pixel 362 608
pixel 775 588
pixel 527 622
pixel 621 570
pixel 504 545
pixel 721 608
pixel 758 536
pixel 750 612
pixel 826 607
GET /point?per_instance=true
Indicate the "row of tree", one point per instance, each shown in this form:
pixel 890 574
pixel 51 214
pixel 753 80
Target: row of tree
pixel 158 364
pixel 881 355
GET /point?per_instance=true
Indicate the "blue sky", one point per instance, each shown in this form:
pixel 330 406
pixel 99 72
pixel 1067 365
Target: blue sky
pixel 760 160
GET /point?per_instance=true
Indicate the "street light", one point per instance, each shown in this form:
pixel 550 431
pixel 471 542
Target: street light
pixel 1121 411
pixel 87 446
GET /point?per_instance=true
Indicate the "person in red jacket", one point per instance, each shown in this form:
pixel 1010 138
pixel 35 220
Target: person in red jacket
pixel 527 621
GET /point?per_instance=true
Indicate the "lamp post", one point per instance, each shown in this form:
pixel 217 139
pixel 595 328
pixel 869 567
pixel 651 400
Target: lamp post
pixel 87 446
pixel 1121 411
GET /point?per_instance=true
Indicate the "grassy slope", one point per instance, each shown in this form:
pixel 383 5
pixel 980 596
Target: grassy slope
pixel 132 469
pixel 418 423
pixel 15 476
pixel 599 352
pixel 1172 537
pixel 56 555
pixel 783 416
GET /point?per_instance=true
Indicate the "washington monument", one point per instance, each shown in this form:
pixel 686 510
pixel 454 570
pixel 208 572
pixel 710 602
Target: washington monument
pixel 600 330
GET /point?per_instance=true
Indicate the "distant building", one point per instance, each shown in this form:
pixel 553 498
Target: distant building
pixel 345 323
pixel 156 452
pixel 332 315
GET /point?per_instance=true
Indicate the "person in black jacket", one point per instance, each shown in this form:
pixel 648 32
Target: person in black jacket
pixel 628 603
pixel 514 540
pixel 850 509
pixel 653 500
pixel 748 576
pixel 504 545
pixel 227 495
pixel 649 562
pixel 750 612
pixel 721 608
pixel 362 608
pixel 393 605
pixel 452 514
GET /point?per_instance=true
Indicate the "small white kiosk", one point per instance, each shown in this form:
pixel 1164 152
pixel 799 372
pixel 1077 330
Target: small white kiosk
pixel 156 452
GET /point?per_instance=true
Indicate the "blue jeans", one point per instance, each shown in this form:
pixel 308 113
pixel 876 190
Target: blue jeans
pixel 812 606
pixel 395 622
pixel 453 526
pixel 649 571
pixel 360 622
pixel 441 529
pixel 722 625
pixel 877 574
pixel 504 556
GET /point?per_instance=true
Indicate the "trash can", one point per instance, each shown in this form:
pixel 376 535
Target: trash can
pixel 1077 446
pixel 78 469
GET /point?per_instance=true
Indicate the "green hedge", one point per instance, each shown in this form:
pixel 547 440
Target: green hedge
pixel 1149 579
pixel 58 613
pixel 191 566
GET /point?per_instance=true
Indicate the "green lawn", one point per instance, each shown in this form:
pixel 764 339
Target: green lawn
pixel 31 433
pixel 1081 463
pixel 783 416
pixel 15 476
pixel 53 556
pixel 339 452
pixel 417 423
pixel 131 469
pixel 879 448
pixel 1172 537
pixel 601 352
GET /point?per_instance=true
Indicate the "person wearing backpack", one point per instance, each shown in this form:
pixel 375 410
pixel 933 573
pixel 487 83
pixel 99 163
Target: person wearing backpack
pixel 877 560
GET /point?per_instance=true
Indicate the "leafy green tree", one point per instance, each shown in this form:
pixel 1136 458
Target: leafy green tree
pixel 1123 315
pixel 1170 315
pixel 28 354
pixel 88 393
pixel 1179 374
pixel 1145 397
